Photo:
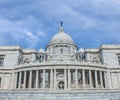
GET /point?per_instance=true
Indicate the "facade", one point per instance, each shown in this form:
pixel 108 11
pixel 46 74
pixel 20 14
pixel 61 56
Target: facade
pixel 60 67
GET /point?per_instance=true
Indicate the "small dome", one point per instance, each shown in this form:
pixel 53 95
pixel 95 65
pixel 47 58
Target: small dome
pixel 81 50
pixel 41 51
pixel 61 37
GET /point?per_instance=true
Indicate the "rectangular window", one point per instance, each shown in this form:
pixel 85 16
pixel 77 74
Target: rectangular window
pixel 119 60
pixel 1 61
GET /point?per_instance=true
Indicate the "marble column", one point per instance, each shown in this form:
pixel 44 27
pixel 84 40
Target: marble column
pixel 96 79
pixel 43 78
pixel 20 79
pixel 83 78
pixel 69 79
pixel 16 79
pixel 24 79
pixel 78 57
pixel 13 81
pixel 101 79
pixel 2 84
pixel 54 78
pixel 76 77
pixel 109 82
pixel 30 79
pixel 37 78
pixel 118 80
pixel 65 79
pixel 105 79
pixel 44 57
pixel 51 78
pixel 90 79
pixel 41 57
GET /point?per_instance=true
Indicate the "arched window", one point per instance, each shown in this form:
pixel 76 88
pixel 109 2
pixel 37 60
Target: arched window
pixel 40 57
pixel 61 51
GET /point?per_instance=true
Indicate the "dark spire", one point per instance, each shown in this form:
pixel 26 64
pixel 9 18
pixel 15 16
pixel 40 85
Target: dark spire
pixel 61 26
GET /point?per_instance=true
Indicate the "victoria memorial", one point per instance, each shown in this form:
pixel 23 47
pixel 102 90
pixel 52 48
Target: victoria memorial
pixel 62 71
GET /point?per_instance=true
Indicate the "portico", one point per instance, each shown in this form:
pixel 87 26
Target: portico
pixel 69 78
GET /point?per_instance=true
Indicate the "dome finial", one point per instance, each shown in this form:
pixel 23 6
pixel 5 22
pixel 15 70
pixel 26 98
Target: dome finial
pixel 61 26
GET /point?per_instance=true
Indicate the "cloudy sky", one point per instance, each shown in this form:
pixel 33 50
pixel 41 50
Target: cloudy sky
pixel 32 23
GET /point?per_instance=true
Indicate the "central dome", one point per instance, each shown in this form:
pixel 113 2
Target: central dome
pixel 61 37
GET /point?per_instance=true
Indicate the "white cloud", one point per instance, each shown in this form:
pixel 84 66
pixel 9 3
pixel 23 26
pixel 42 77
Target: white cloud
pixel 20 31
pixel 41 33
pixel 98 8
pixel 31 39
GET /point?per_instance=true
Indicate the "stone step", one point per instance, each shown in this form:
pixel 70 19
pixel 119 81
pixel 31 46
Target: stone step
pixel 60 95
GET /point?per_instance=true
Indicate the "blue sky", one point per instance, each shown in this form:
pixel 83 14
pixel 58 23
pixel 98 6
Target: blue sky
pixel 32 23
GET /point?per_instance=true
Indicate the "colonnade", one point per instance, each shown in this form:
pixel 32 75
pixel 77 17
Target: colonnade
pixel 60 79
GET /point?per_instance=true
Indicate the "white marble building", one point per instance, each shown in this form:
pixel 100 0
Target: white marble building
pixel 61 66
